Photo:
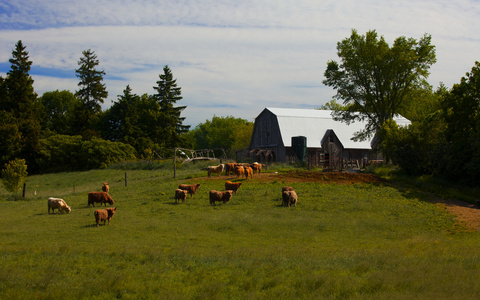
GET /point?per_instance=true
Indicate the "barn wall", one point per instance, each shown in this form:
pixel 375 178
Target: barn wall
pixel 266 135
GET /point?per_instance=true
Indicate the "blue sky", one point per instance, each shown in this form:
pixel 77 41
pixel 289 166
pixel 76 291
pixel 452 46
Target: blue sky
pixel 231 58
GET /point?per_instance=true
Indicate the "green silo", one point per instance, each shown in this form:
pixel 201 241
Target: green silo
pixel 299 146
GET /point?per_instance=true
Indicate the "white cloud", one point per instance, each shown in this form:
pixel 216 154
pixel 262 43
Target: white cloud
pixel 229 57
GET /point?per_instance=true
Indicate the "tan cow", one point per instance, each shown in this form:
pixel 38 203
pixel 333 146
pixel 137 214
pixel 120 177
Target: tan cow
pixel 57 203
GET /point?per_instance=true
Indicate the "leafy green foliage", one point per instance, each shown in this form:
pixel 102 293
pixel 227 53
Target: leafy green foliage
pixel 229 133
pixel 59 111
pixel 462 116
pixel 14 174
pixel 373 79
pixel 72 153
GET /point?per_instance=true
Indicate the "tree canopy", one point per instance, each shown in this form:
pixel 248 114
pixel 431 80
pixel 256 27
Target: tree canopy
pixel 373 79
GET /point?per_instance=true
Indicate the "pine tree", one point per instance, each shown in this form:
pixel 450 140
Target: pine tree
pixel 92 91
pixel 168 93
pixel 19 108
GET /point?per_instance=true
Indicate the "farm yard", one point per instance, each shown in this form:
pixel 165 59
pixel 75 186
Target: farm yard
pixel 351 236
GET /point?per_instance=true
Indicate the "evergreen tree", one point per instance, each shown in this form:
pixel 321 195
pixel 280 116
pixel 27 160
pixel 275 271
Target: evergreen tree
pixel 168 93
pixel 92 91
pixel 20 107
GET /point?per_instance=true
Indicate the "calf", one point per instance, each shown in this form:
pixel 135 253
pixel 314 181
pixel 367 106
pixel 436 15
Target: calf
pixel 289 197
pixel 99 197
pixel 220 196
pixel 105 187
pixel 192 189
pixel 57 203
pixel 104 215
pixel 233 186
pixel 180 195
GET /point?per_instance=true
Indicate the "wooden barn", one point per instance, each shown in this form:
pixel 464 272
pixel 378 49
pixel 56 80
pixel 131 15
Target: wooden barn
pixel 286 134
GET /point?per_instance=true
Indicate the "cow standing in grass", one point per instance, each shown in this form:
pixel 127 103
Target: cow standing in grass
pixel 99 197
pixel 191 189
pixel 104 215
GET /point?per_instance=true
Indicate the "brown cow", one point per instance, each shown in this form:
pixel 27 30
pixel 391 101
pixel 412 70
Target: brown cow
pixel 257 168
pixel 192 189
pixel 105 187
pixel 239 171
pixel 289 197
pixel 104 215
pixel 248 172
pixel 287 188
pixel 180 195
pixel 220 196
pixel 230 167
pixel 233 186
pixel 99 197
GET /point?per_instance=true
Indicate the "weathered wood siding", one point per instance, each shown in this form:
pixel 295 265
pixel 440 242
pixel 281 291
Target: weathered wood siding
pixel 266 135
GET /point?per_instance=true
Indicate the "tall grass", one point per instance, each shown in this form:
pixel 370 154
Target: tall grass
pixel 341 241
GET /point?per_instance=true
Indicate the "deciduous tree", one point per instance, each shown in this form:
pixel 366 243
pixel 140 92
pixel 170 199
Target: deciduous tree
pixel 373 79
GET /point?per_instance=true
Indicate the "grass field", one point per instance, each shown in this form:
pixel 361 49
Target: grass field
pixel 360 241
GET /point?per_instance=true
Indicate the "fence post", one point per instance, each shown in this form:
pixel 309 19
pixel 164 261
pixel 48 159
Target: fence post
pixel 175 163
pixel 24 188
pixel 125 179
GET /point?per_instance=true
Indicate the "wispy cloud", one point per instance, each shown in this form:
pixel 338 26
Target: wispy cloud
pixel 229 57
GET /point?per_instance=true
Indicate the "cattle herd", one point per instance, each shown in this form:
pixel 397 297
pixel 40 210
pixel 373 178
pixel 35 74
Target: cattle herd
pixel 289 196
pixel 93 197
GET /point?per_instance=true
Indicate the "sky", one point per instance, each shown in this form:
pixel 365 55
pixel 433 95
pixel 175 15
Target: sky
pixel 230 57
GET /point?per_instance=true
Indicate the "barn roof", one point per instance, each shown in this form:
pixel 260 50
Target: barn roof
pixel 314 123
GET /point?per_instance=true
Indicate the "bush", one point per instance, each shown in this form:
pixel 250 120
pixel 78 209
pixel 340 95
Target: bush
pixel 14 174
pixel 62 153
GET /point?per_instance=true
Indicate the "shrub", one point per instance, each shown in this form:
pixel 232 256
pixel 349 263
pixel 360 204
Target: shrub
pixel 14 174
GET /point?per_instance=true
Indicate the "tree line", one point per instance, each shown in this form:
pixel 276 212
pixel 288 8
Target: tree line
pixel 375 82
pixel 65 131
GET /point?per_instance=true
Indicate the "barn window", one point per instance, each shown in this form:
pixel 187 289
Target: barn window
pixel 331 138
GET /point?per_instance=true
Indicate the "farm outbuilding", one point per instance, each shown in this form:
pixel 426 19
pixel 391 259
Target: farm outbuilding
pixel 278 133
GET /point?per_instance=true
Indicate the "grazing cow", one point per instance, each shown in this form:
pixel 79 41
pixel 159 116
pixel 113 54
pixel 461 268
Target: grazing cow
pixel 220 196
pixel 192 189
pixel 257 168
pixel 289 197
pixel 99 197
pixel 57 203
pixel 233 186
pixel 104 215
pixel 105 187
pixel 239 171
pixel 248 172
pixel 215 169
pixel 230 167
pixel 287 188
pixel 180 195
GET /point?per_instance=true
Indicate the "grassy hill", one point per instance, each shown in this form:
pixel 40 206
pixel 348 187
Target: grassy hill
pixel 341 241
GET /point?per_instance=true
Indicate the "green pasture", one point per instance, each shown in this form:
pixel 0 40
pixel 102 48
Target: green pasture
pixel 360 241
